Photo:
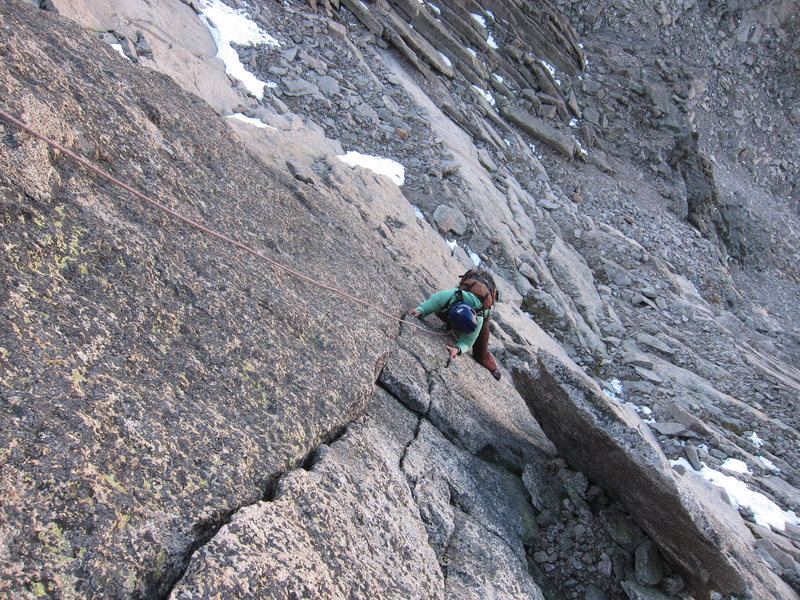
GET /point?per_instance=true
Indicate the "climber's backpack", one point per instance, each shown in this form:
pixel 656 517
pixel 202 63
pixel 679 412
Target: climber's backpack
pixel 482 285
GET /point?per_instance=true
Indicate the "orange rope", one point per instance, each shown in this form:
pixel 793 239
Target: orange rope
pixel 197 225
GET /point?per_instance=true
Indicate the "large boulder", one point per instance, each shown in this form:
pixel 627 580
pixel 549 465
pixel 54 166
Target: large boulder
pixel 606 440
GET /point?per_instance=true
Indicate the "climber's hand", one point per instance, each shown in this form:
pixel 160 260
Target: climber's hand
pixel 453 351
pixel 414 312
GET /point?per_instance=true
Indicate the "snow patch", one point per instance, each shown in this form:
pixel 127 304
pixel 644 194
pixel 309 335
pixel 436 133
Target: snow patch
pixel 118 48
pixel 251 121
pixel 446 60
pixel 552 70
pixel 735 465
pixel 480 19
pixel 476 260
pixel 229 26
pixel 488 96
pixel 770 466
pixel 382 166
pixel 765 512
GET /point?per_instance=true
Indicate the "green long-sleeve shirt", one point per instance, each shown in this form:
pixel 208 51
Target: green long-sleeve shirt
pixel 443 300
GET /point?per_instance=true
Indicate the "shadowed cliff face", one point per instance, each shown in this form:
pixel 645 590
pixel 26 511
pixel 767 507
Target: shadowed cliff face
pixel 180 418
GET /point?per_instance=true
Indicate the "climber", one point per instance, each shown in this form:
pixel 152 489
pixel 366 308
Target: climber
pixel 465 310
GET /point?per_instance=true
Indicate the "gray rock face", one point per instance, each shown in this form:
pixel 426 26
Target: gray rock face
pixel 353 502
pixel 183 388
pixel 181 417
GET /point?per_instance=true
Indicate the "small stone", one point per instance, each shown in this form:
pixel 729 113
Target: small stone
pixel 637 359
pixel 548 204
pixel 300 171
pixel 337 30
pixel 594 593
pixel 448 218
pixel 693 457
pixel 673 584
pixel 669 429
pixel 649 566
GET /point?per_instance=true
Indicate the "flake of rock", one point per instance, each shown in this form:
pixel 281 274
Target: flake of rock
pixel 277 70
pixel 621 278
pixel 654 343
pixel 639 300
pixel 648 375
pixel 669 429
pixel 529 273
pixel 129 49
pixel 290 54
pixel 792 531
pixel 605 565
pixel 623 530
pixel 636 591
pixel 299 87
pixel 143 47
pixel 328 85
pixel 548 204
pixel 311 62
pixel 450 219
pixel 649 565
pixel 692 456
pixel 540 130
pixel 337 30
pixel 365 111
pixel 449 167
pixel 673 584
pixel 649 292
pixel 600 160
pixel 767 546
pixel 684 417
pixel 786 494
pixel 576 484
pixel 300 171
pixel 479 243
pixel 637 359
pixel 486 160
pixel 544 489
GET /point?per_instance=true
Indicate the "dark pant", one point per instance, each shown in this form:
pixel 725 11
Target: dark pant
pixel 480 350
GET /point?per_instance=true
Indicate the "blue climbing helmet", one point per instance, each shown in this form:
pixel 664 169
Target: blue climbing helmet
pixel 463 318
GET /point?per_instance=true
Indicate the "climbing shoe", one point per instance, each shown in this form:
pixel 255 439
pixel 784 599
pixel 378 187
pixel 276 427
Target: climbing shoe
pixel 496 374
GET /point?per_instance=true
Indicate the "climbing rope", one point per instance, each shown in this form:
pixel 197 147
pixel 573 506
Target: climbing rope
pixel 82 161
